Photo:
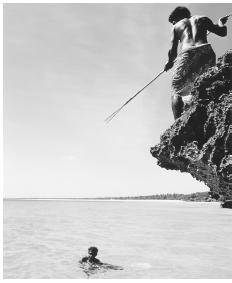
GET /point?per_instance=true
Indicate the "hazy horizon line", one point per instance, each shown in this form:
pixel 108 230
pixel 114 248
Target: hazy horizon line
pixel 106 197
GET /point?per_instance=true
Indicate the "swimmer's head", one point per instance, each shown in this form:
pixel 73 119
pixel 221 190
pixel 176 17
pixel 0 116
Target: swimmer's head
pixel 93 251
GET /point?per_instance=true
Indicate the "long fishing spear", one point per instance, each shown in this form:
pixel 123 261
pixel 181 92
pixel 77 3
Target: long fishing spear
pixel 109 118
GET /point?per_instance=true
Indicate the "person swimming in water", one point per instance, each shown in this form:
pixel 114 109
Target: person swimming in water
pixel 91 265
pixel 92 251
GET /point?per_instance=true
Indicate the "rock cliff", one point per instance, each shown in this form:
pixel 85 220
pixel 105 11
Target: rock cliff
pixel 200 141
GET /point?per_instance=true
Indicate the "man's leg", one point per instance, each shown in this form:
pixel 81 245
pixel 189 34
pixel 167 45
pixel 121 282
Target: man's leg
pixel 177 106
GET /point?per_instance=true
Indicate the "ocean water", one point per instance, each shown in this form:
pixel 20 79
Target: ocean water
pixel 148 239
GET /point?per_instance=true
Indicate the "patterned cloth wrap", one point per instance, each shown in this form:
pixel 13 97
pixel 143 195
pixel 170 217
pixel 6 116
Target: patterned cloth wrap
pixel 189 65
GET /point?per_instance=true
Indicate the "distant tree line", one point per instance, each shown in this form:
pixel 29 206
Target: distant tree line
pixel 199 196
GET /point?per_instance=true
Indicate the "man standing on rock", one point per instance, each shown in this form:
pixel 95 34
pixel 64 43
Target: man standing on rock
pixel 196 54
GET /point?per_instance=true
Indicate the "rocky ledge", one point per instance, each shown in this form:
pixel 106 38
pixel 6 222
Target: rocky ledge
pixel 200 141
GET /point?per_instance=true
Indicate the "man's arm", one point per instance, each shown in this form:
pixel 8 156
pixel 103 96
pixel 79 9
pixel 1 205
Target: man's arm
pixel 97 261
pixel 172 53
pixel 218 29
pixel 84 259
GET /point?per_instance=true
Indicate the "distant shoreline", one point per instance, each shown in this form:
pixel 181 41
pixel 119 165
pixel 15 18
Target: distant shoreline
pixel 84 199
pixel 193 197
pixel 109 200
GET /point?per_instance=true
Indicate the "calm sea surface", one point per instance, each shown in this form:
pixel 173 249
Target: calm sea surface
pixel 148 239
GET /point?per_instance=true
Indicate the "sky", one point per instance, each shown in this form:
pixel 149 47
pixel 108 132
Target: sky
pixel 66 68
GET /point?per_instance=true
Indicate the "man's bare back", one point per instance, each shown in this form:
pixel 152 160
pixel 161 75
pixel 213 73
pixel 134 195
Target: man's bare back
pixel 193 31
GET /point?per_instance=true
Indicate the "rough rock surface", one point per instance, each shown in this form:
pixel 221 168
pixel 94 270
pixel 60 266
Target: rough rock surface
pixel 200 141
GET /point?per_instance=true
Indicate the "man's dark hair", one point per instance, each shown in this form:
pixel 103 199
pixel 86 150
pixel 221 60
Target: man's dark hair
pixel 93 249
pixel 178 14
